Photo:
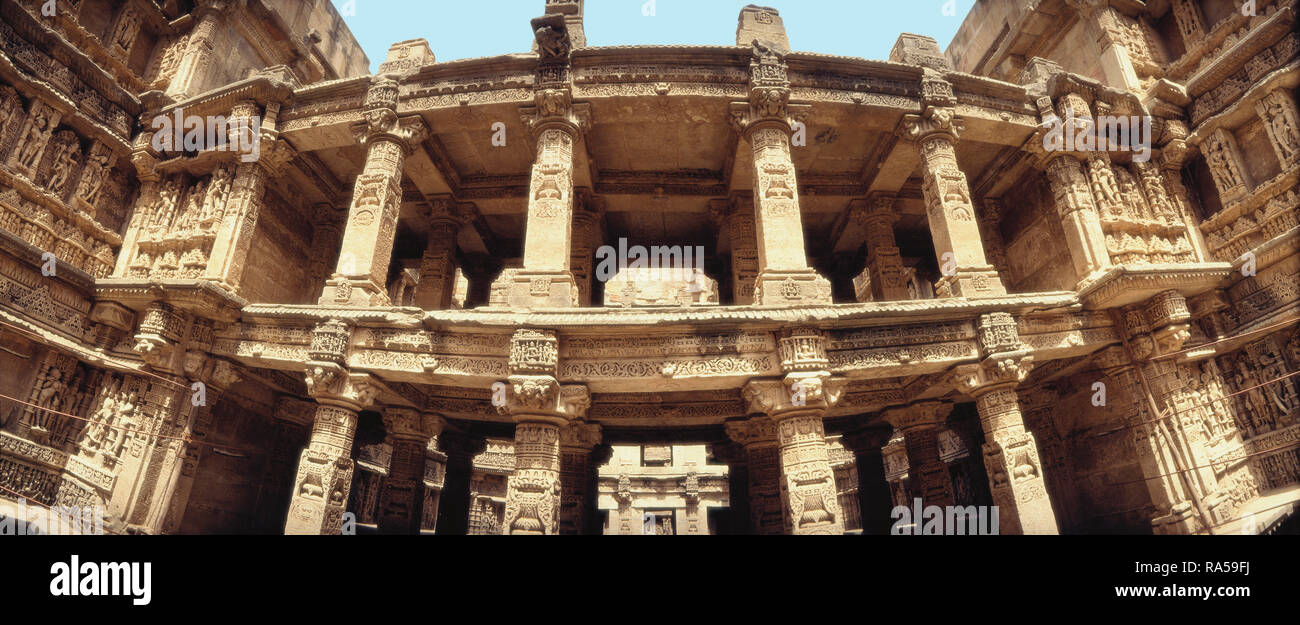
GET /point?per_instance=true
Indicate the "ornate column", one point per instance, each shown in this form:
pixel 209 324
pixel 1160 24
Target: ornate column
pixel 556 125
pixel 324 479
pixel 767 121
pixel 540 408
pixel 756 436
pixel 196 61
pixel 948 203
pixel 438 266
pixel 735 220
pixel 919 424
pixel 588 215
pixel 1011 458
pixel 874 498
pixel 361 276
pixel 884 264
pixel 577 442
pixel 454 502
pixel 796 405
pixel 400 502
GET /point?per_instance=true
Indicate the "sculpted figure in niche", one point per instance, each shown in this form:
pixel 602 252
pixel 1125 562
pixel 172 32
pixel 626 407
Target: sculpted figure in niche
pixel 1104 185
pixel 1221 163
pixel 65 159
pixel 96 164
pixel 36 136
pixel 93 438
pixel 214 206
pixel 1287 137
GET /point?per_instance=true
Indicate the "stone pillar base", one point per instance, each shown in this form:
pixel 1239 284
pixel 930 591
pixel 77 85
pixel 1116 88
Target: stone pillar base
pixel 342 291
pixel 538 289
pixel 790 288
pixel 971 283
pixel 320 495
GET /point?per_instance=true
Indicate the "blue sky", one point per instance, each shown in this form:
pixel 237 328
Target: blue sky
pixel 458 29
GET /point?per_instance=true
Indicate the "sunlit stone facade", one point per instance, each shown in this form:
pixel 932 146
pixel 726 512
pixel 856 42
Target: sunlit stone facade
pixel 391 315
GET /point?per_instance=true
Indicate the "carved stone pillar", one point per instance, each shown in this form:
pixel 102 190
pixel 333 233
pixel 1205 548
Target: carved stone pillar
pixel 949 207
pixel 587 236
pixel 556 125
pixel 766 122
pixel 361 277
pixel 757 437
pixel 735 221
pixel 919 424
pixel 324 479
pixel 1011 459
pixel 480 271
pixel 577 441
pixel 1282 124
pixel 884 264
pixel 796 405
pixel 874 499
pixel 438 266
pixel 454 502
pixel 409 433
pixel 541 407
pixel 196 61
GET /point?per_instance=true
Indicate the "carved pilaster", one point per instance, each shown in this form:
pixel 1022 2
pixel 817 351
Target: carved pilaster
pixel 874 499
pixel 796 405
pixel 196 61
pixel 735 220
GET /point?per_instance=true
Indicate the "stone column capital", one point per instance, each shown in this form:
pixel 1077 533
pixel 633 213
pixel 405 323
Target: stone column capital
pixel 580 435
pixel 411 424
pixel 868 440
pixel 796 393
pixel 755 430
pixel 937 122
pixel 554 108
pixel 330 383
pixel 539 398
pixel 1000 371
pixel 926 415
